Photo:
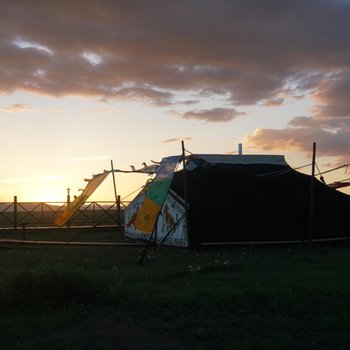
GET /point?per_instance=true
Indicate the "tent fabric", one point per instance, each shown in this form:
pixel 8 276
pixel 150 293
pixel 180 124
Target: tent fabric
pixel 155 195
pixel 242 159
pixel 259 202
pixel 80 200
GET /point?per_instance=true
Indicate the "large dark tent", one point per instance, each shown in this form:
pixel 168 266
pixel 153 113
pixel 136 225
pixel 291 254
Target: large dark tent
pixel 248 198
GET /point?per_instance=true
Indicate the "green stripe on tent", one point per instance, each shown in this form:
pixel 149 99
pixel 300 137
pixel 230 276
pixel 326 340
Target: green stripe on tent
pixel 158 190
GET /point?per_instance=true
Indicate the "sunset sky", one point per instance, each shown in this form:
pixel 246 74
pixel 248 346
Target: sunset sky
pixel 86 82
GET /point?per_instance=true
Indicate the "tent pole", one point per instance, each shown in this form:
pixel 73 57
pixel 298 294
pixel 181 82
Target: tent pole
pixel 312 195
pixel 115 195
pixel 189 238
pixel 145 248
pixel 171 231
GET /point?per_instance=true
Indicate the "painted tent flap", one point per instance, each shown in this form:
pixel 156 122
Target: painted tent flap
pixel 80 200
pixel 171 225
pixel 155 194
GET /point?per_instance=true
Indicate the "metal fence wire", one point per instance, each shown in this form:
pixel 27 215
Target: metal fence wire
pixel 41 214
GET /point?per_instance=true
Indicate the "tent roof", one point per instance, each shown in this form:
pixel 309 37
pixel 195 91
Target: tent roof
pixel 243 159
pixel 259 202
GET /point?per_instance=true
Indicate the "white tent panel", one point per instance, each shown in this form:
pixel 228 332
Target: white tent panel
pixel 130 214
pixel 171 224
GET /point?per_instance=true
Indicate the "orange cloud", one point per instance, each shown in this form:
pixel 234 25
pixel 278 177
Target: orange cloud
pixel 329 143
pixel 177 139
pixel 212 115
pixel 16 108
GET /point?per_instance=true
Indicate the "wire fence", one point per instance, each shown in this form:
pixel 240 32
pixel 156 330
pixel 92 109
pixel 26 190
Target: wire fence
pixel 42 214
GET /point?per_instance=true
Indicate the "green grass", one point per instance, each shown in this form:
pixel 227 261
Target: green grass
pixel 281 297
pixel 100 234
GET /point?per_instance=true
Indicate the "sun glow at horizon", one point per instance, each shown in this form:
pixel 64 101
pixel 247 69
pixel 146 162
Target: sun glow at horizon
pixel 54 189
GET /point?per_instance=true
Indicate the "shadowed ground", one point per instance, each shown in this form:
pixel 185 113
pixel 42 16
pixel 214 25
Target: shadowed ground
pixel 280 297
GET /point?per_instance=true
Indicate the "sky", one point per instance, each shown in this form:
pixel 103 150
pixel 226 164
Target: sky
pixel 84 83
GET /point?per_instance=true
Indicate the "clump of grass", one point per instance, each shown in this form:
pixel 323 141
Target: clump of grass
pixel 52 289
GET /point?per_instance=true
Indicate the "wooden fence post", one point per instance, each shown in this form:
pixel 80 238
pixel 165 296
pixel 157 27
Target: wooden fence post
pixel 15 212
pixel 119 221
pixel 68 204
pixel 312 196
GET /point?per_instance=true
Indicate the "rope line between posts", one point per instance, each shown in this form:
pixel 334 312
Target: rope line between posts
pixel 302 166
pixel 339 167
pixel 130 194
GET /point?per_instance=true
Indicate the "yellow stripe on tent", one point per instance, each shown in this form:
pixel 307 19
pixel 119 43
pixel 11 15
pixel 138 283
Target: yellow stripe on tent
pixel 147 216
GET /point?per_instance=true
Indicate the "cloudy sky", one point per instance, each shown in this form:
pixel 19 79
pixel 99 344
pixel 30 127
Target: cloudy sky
pixel 86 82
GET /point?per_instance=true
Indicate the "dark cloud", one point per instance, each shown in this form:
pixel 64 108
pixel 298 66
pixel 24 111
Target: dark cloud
pixel 321 123
pixel 242 49
pixel 329 142
pixel 332 97
pixel 246 52
pixel 274 102
pixel 145 94
pixel 329 126
pixel 188 102
pixel 212 115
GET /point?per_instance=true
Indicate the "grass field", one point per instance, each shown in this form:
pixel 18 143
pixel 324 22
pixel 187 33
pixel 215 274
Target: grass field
pixel 99 234
pixel 256 297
